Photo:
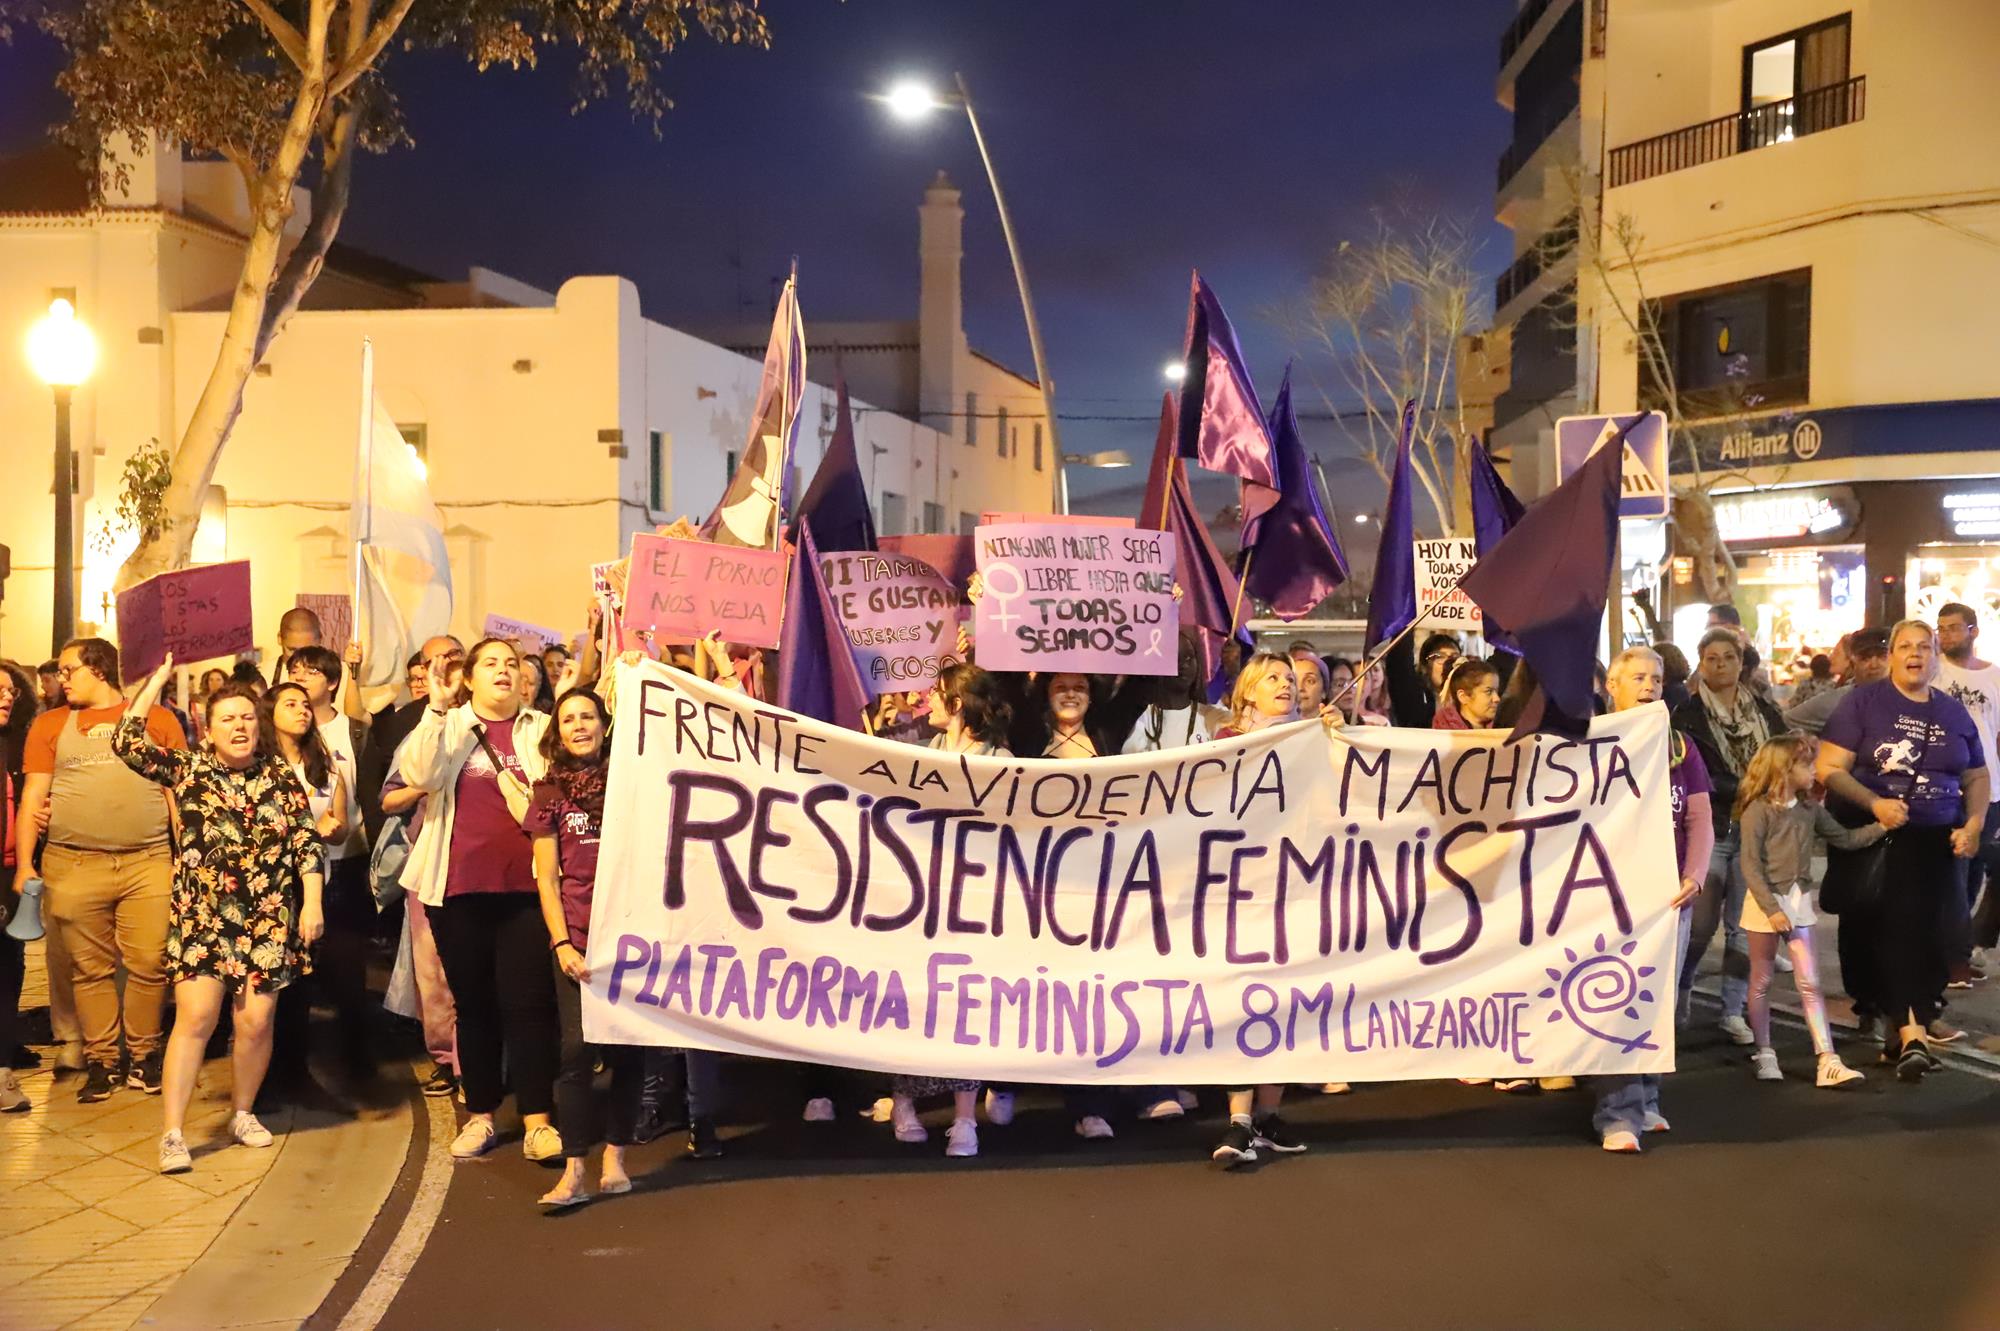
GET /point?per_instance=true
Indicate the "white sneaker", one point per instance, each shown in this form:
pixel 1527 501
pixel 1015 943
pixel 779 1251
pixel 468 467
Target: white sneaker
pixel 1656 1122
pixel 12 1099
pixel 819 1109
pixel 880 1110
pixel 1559 1083
pixel 247 1131
pixel 1783 964
pixel 909 1128
pixel 1093 1128
pixel 1738 1031
pixel 69 1058
pixel 999 1107
pixel 174 1157
pixel 474 1139
pixel 1189 1100
pixel 1834 1074
pixel 1621 1142
pixel 962 1140
pixel 1168 1108
pixel 1336 1088
pixel 542 1143
pixel 1765 1060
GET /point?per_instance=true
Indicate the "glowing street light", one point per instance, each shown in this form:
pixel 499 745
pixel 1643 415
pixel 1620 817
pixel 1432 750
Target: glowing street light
pixel 63 353
pixel 1175 371
pixel 910 100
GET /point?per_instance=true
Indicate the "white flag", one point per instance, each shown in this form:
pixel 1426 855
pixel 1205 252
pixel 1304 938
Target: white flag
pixel 402 572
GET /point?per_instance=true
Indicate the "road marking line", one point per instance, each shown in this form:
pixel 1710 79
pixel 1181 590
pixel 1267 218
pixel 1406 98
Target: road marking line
pixel 373 1302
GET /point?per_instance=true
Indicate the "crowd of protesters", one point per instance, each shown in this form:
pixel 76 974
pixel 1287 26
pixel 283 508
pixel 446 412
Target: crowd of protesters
pixel 244 854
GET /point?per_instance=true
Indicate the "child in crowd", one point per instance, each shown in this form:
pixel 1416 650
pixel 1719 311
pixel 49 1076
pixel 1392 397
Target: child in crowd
pixel 1780 822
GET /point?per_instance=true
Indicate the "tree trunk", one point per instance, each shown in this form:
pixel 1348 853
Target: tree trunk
pixel 221 398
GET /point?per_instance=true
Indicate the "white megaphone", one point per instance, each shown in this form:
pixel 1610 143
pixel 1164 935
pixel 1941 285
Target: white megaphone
pixel 26 923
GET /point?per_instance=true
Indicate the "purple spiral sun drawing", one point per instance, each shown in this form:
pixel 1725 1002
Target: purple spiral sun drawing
pixel 1600 990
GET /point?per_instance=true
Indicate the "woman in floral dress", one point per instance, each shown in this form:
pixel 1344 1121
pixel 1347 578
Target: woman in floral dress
pixel 246 897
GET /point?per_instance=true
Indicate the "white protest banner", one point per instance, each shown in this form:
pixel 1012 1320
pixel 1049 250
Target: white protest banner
pixel 1297 905
pixel 900 614
pixel 1078 596
pixel 1440 563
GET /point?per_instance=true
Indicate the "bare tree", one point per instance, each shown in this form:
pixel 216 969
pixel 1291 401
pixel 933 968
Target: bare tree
pixel 1389 309
pixel 276 87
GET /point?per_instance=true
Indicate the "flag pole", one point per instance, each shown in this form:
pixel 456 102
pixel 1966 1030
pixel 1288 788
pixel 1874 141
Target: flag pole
pixel 1390 645
pixel 1167 496
pixel 364 633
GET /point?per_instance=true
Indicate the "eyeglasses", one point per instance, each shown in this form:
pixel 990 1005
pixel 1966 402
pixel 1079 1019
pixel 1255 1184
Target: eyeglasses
pixel 64 672
pixel 1442 656
pixel 8 693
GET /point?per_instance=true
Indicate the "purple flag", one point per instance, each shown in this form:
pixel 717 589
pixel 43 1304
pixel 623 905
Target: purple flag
pixel 1548 578
pixel 836 503
pixel 1495 510
pixel 1392 603
pixel 1292 560
pixel 760 493
pixel 1208 588
pixel 817 673
pixel 1222 426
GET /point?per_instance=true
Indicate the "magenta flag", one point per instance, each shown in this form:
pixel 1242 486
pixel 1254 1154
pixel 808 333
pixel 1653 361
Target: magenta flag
pixel 1222 425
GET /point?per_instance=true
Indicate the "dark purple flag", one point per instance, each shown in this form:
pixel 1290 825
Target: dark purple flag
pixel 836 503
pixel 1495 510
pixel 1392 602
pixel 1208 588
pixel 1548 578
pixel 817 672
pixel 1292 559
pixel 1221 423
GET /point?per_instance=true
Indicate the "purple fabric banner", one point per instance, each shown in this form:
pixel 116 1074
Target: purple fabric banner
pixel 1070 596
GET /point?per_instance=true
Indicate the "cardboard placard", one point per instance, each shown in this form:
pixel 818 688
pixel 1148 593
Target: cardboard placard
pixel 683 590
pixel 335 611
pixel 1440 563
pixel 195 613
pixel 951 556
pixel 901 615
pixel 1066 596
pixel 522 634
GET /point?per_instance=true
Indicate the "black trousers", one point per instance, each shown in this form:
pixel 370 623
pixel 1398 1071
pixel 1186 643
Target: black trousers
pixel 1910 961
pixel 13 969
pixel 341 958
pixel 576 1088
pixel 495 951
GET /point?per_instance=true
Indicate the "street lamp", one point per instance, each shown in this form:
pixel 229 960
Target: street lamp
pixel 1175 372
pixel 910 100
pixel 62 352
pixel 1114 457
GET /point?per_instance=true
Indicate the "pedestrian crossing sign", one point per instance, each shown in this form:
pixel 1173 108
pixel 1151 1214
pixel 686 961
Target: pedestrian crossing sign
pixel 1643 488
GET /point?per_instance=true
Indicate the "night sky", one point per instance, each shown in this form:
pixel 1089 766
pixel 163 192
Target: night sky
pixel 1135 140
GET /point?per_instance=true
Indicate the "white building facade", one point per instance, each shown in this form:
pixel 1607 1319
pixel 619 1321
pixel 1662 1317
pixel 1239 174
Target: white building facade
pixel 553 426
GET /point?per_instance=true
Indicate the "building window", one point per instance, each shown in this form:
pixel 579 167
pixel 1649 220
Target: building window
pixel 418 436
pixel 892 513
pixel 1742 347
pixel 971 418
pixel 1006 443
pixel 968 523
pixel 1781 68
pixel 656 471
pixel 1038 445
pixel 728 468
pixel 933 518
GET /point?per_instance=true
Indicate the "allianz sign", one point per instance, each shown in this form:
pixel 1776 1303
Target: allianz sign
pixel 1800 442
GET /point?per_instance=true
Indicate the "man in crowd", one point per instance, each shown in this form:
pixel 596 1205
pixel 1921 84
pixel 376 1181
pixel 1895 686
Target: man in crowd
pixel 49 679
pixel 348 901
pixel 107 867
pixel 298 628
pixel 1976 684
pixel 1862 657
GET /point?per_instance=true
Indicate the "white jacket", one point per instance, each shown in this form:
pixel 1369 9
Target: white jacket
pixel 430 759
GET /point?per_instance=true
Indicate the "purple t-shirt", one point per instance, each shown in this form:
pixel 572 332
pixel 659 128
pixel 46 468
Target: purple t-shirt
pixel 489 850
pixel 550 813
pixel 1686 779
pixel 1910 751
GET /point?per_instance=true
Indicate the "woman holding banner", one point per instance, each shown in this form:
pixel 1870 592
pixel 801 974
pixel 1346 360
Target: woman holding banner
pixel 1471 697
pixel 1266 694
pixel 473 869
pixel 1178 713
pixel 1628 1105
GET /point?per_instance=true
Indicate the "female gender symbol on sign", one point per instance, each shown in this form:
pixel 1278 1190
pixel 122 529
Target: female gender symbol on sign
pixel 1004 595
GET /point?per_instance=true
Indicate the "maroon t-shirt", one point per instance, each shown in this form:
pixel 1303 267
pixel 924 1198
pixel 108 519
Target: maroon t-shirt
pixel 490 852
pixel 551 813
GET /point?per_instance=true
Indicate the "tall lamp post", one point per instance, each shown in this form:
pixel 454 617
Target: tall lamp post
pixel 1116 457
pixel 63 353
pixel 913 101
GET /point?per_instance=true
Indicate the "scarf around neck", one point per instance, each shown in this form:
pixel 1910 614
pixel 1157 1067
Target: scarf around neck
pixel 1740 730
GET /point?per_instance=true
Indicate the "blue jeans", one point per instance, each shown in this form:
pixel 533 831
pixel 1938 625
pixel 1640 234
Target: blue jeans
pixel 1720 902
pixel 1624 1099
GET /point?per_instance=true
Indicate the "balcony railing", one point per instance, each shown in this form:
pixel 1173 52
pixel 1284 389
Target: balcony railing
pixel 1775 122
pixel 1548 250
pixel 1517 31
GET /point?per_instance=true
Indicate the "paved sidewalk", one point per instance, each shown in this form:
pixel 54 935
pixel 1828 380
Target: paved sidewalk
pixel 93 1236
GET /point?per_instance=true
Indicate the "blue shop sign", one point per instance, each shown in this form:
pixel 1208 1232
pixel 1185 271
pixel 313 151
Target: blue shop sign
pixel 1833 433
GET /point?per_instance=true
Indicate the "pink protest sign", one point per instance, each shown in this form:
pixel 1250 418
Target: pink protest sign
pixel 900 614
pixel 195 613
pixel 335 611
pixel 684 589
pixel 1067 596
pixel 951 556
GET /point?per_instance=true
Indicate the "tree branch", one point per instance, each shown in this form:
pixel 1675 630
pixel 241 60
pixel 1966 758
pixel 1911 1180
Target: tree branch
pixel 358 60
pixel 282 32
pixel 307 259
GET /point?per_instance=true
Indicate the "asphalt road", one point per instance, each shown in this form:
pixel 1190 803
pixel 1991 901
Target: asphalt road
pixel 1419 1205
